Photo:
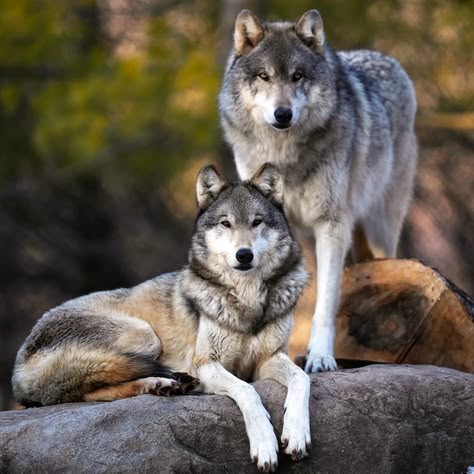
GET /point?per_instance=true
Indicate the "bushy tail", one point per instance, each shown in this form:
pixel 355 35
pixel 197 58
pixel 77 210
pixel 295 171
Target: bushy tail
pixel 66 375
pixel 146 366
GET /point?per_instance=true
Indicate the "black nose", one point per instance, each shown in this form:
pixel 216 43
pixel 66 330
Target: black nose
pixel 244 256
pixel 283 115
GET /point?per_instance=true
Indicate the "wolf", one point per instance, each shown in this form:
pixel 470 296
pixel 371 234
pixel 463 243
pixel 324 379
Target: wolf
pixel 221 321
pixel 340 128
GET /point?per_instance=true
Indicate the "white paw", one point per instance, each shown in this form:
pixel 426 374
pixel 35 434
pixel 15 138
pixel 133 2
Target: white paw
pixel 155 385
pixel 320 363
pixel 296 436
pixel 263 445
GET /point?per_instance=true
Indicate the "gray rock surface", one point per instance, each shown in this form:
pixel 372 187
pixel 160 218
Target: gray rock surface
pixel 376 419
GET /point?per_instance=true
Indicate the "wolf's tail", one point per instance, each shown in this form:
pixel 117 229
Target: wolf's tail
pixel 66 375
pixel 143 365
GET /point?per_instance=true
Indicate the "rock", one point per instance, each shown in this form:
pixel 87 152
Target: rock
pixel 375 419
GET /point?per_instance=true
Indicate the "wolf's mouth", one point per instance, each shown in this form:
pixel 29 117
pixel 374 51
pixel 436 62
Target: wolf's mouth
pixel 243 267
pixel 281 126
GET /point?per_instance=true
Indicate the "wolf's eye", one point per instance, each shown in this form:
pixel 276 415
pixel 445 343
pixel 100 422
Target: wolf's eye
pixel 297 76
pixel 263 75
pixel 256 222
pixel 225 224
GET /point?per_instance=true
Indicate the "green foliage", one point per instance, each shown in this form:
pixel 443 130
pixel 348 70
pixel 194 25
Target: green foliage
pixel 71 103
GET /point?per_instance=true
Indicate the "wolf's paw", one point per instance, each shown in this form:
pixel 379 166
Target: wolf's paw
pixel 264 447
pixel 186 382
pixel 165 387
pixel 296 436
pixel 158 386
pixel 265 455
pixel 320 363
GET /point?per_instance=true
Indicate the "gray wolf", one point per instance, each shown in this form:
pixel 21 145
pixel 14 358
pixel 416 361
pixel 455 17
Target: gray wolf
pixel 224 319
pixel 339 127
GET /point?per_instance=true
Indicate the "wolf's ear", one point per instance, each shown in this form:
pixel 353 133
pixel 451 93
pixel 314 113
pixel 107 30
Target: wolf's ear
pixel 248 32
pixel 209 184
pixel 311 31
pixel 270 182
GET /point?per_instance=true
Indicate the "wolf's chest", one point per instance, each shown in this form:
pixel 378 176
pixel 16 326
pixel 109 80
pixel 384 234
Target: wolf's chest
pixel 307 195
pixel 241 353
pixel 305 204
pixel 251 154
pixel 242 356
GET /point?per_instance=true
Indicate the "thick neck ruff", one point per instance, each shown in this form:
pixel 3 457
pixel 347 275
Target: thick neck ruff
pixel 241 301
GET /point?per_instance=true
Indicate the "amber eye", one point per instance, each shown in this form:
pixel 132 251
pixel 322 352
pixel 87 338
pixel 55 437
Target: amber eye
pixel 225 224
pixel 297 76
pixel 256 222
pixel 263 75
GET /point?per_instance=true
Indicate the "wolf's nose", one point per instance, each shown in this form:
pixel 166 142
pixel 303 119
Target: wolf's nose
pixel 283 115
pixel 244 256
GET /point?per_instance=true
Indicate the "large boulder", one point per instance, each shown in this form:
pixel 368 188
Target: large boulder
pixel 376 419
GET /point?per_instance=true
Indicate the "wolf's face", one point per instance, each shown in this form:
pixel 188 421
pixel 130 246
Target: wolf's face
pixel 279 75
pixel 241 228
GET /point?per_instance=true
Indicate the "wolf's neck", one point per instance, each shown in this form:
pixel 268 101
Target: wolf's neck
pixel 239 304
pixel 265 146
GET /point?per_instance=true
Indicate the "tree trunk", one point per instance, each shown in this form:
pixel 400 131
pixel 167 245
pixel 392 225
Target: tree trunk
pixel 401 311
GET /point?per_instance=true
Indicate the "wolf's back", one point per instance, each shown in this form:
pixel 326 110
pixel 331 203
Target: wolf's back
pixel 91 342
pixel 382 76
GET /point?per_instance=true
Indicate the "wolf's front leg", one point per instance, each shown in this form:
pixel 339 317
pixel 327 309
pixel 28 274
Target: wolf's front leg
pixel 263 443
pixel 332 243
pixel 296 436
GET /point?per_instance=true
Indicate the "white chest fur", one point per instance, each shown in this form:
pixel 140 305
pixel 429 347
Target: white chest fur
pixel 241 353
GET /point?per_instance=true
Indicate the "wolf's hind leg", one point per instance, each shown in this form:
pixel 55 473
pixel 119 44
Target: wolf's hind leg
pixel 384 220
pixel 99 352
pixel 163 386
pixel 382 234
pixel 360 250
pixel 383 225
pixel 152 385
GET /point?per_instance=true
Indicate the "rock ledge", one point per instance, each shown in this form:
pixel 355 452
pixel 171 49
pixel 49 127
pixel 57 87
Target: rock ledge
pixel 376 419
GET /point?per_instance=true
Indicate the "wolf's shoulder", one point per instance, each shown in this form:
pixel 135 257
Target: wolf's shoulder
pixel 368 60
pixel 374 65
pixel 382 76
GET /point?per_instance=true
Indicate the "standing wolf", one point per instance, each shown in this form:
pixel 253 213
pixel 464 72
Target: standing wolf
pixel 339 126
pixel 225 317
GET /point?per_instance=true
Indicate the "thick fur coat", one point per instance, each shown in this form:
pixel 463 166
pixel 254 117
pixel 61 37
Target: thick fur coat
pixel 340 128
pixel 222 320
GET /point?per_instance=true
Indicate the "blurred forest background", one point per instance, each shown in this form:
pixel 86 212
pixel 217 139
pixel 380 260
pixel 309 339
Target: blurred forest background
pixel 108 110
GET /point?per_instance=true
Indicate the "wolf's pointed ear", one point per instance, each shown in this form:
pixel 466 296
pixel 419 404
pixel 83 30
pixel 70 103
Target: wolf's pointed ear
pixel 310 30
pixel 209 184
pixel 270 182
pixel 248 32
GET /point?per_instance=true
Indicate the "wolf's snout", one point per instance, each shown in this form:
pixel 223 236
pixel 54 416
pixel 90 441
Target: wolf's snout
pixel 283 115
pixel 244 256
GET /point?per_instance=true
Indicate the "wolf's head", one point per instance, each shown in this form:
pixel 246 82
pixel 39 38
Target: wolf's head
pixel 241 228
pixel 281 75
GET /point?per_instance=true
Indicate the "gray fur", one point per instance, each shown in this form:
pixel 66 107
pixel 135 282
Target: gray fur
pixel 282 270
pixel 222 319
pixel 204 288
pixel 349 155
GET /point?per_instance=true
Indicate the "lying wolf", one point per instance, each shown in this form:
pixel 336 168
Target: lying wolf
pixel 224 318
pixel 339 126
